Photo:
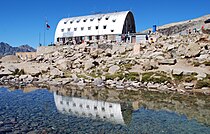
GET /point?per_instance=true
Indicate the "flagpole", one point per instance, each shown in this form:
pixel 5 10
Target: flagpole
pixel 39 38
pixel 44 31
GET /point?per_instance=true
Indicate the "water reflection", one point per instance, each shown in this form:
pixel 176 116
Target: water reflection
pixel 107 111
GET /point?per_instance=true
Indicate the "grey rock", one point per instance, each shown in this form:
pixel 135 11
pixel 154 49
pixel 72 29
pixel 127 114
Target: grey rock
pixel 88 65
pixel 12 68
pixel 54 72
pixel 193 50
pixel 113 69
pixel 98 81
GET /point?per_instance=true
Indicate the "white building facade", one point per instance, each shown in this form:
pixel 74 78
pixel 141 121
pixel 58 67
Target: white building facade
pixel 95 27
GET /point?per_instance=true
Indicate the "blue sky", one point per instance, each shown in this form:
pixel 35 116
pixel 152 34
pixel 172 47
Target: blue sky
pixel 21 21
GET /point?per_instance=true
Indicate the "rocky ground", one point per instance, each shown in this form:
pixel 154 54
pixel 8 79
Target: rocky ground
pixel 173 63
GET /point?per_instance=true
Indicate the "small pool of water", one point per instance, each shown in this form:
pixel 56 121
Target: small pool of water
pixel 41 111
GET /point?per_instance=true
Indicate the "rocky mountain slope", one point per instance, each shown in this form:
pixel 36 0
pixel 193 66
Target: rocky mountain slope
pixel 183 27
pixel 6 49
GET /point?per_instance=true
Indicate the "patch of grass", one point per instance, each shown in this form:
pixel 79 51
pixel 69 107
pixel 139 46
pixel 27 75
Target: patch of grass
pixel 203 83
pixel 206 63
pixel 119 75
pixel 133 76
pixel 95 73
pixel 67 74
pixel 156 77
pixel 82 76
pixel 127 66
pixel 196 64
pixel 185 78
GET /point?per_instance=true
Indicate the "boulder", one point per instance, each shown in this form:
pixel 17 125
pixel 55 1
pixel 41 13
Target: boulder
pixel 75 78
pixel 98 81
pixel 10 59
pixel 177 71
pixel 167 62
pixel 88 65
pixel 12 68
pixel 63 64
pixel 170 47
pixel 113 69
pixel 156 54
pixel 54 72
pixel 193 50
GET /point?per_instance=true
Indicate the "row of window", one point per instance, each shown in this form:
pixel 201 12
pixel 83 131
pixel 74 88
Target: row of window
pixel 90 115
pixel 82 28
pixel 91 19
pixel 87 106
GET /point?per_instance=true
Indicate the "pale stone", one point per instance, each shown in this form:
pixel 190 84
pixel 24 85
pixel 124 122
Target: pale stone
pixel 113 69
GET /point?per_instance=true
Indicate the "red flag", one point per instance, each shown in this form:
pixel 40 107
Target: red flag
pixel 47 25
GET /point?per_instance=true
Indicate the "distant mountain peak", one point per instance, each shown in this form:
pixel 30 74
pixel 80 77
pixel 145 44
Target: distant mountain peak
pixel 6 49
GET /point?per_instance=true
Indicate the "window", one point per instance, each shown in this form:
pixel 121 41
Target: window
pixel 82 28
pixel 110 105
pixel 90 37
pixel 95 107
pixel 78 21
pixel 88 106
pixel 69 29
pixel 65 22
pixel 103 108
pixel 84 20
pixel 104 27
pixel 70 110
pixel 96 27
pixel 71 22
pixel 89 28
pixel 67 103
pixel 75 29
pixel 97 37
pixel 74 104
pixel 112 31
pixel 91 19
pixel 80 105
pixel 112 115
pixel 107 18
pixel 114 20
pixel 62 30
pixel 61 102
pixel 99 19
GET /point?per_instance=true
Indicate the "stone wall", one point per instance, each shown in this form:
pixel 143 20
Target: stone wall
pixel 47 49
pixel 26 55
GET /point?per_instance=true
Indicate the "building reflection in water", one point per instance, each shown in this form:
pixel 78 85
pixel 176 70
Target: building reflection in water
pixel 107 111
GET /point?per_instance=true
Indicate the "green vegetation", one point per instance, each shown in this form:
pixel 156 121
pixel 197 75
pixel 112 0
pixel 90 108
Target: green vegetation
pixel 82 76
pixel 95 73
pixel 67 74
pixel 185 78
pixel 156 77
pixel 130 76
pixel 206 63
pixel 127 66
pixel 203 83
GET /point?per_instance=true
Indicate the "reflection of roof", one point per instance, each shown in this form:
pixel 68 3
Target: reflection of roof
pixel 207 21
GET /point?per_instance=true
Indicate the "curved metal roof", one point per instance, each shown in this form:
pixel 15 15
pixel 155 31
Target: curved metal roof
pixel 98 24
